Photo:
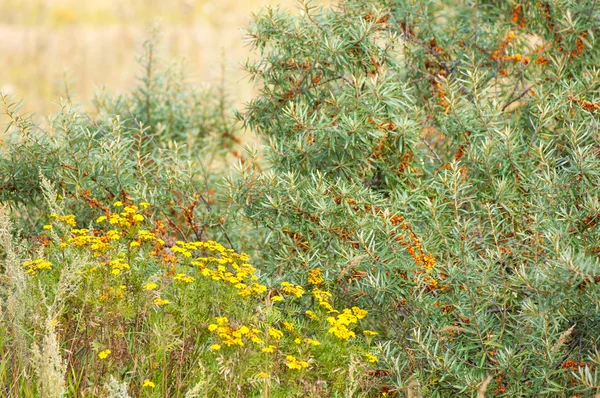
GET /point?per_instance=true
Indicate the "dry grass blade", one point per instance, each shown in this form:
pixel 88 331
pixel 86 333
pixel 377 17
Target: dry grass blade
pixel 483 387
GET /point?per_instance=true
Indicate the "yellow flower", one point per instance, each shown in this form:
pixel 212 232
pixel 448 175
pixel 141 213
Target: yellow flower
pixel 371 358
pixel 294 363
pixel 275 333
pixel 315 278
pixel 212 327
pixel 215 347
pixel 101 219
pixel 269 350
pixel 370 333
pixel 276 299
pixel 104 354
pixel 244 330
pixel 297 340
pixel 68 219
pixel 295 290
pixel 148 383
pixel 150 286
pixel 144 205
pixel 160 302
pixel 312 315
pixel 257 340
pixel 288 326
pixel 47 227
pixel 135 243
pixel 118 203
pixel 360 314
pixel 263 375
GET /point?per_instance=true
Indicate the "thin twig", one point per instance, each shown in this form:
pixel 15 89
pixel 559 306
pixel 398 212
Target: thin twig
pixel 517 98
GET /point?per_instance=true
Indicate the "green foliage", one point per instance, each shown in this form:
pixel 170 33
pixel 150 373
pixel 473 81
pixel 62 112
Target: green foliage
pixel 439 160
pixel 436 161
pixel 166 141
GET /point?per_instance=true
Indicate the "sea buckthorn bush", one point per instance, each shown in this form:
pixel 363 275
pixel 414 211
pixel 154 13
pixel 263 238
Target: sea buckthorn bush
pixel 438 162
pixel 165 141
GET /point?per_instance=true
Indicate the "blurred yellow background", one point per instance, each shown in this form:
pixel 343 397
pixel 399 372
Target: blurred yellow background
pixel 96 42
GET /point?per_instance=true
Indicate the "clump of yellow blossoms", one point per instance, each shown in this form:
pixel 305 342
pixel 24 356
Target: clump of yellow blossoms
pixel 294 363
pixel 33 267
pixel 160 301
pixel 371 358
pixel 315 277
pixel 322 297
pixel 104 354
pixel 339 324
pixel 295 290
pixel 224 265
pixel 234 335
pixel 150 286
pixel 117 265
pixel 67 219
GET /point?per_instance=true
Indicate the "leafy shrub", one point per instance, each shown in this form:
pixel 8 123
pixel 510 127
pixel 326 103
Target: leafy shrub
pixel 165 141
pixel 439 162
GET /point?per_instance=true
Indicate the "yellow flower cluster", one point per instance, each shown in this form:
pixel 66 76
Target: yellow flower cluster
pixel 230 266
pixel 67 219
pixel 269 350
pixel 117 265
pixel 339 324
pixel 104 354
pixel 315 277
pixel 146 235
pixel 232 336
pixel 295 290
pixel 160 301
pixel 32 267
pixel 275 333
pixel 294 363
pixel 288 326
pixel 322 297
pixel 371 358
pixel 126 219
pixel 263 375
pixel 227 255
pixel 311 315
pixel 307 340
pixel 97 244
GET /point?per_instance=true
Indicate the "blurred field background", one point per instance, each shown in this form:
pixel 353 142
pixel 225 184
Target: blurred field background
pixel 95 43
